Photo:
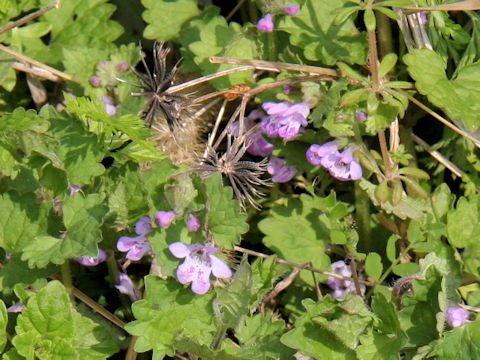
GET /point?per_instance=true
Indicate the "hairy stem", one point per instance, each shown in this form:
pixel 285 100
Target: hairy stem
pixel 67 277
pixel 362 217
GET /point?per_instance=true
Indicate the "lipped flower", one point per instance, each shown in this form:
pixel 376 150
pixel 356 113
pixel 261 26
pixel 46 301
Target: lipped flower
pixel 165 218
pixel 456 316
pixel 136 246
pixel 199 264
pixel 285 120
pixel 341 287
pixel 125 286
pixel 281 173
pixel 73 188
pixel 265 24
pixel 193 224
pixel 91 260
pixel 291 9
pixel 16 308
pixel 341 165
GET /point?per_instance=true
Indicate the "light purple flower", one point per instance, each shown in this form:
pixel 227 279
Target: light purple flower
pixel 198 265
pixel 109 106
pixel 265 24
pixel 95 81
pixel 165 218
pixel 361 116
pixel 280 172
pixel 342 166
pixel 16 308
pixel 257 145
pixel 316 153
pixel 93 261
pixel 291 10
pixel 125 286
pixel 74 188
pixel 122 67
pixel 341 287
pixel 423 17
pixel 193 224
pixel 457 316
pixel 285 120
pixel 137 246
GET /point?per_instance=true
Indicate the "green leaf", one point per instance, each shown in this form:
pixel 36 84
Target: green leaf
pixel 166 18
pixel 225 220
pixel 457 97
pixel 463 226
pixel 19 221
pixel 391 247
pixel 373 265
pixel 369 20
pixel 3 325
pixel 442 201
pixel 314 30
pixel 406 269
pixel 168 313
pixel 82 217
pixel 265 272
pixel 460 343
pixel 387 64
pixel 49 328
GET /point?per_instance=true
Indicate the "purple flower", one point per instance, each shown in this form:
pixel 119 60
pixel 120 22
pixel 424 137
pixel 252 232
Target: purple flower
pixel 95 81
pixel 291 10
pixel 457 316
pixel 361 116
pixel 258 146
pixel 125 286
pixel 198 265
pixel 110 108
pixel 137 246
pixel 165 218
pixel 342 286
pixel 342 166
pixel 265 24
pixel 423 17
pixel 93 261
pixel 16 308
pixel 280 172
pixel 316 153
pixel 74 188
pixel 193 224
pixel 285 120
pixel 122 67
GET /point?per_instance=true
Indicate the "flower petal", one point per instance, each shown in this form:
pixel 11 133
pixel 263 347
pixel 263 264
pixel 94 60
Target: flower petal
pixel 201 283
pixel 187 271
pixel 219 268
pixel 355 170
pixel 143 226
pixel 137 251
pixel 179 249
pixel 125 243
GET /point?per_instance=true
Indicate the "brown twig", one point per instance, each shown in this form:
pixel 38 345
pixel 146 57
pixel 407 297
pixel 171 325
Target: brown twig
pixel 356 280
pixel 131 353
pixel 36 71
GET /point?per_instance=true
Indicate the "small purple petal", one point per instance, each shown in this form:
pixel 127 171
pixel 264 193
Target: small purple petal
pixel 74 188
pixel 219 268
pixel 109 106
pixel 361 116
pixel 201 282
pixel 193 224
pixel 16 308
pixel 143 226
pixel 355 170
pixel 280 172
pixel 125 243
pixel 165 218
pixel 93 261
pixel 187 271
pixel 179 250
pixel 265 24
pixel 259 146
pixel 423 17
pixel 122 67
pixel 291 10
pixel 273 108
pixel 457 316
pixel 125 286
pixel 95 81
pixel 138 250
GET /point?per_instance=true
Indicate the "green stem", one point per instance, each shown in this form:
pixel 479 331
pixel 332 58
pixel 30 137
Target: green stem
pixel 272 46
pixel 384 34
pixel 252 11
pixel 362 217
pixel 113 272
pixel 67 277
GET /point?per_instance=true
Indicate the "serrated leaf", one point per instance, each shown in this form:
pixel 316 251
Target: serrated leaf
pixel 265 272
pixel 225 220
pixel 460 343
pixel 170 312
pixel 50 328
pixel 457 97
pixel 166 18
pixel 314 30
pixel 373 265
pixel 82 217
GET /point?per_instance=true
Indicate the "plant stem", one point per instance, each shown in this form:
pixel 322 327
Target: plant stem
pixel 362 217
pixel 113 271
pixel 252 11
pixel 67 277
pixel 373 59
pixel 384 34
pixel 272 46
pixel 385 155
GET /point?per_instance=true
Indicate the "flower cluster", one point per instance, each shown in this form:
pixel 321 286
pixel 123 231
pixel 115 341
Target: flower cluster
pixel 199 264
pixel 285 120
pixel 265 24
pixel 136 246
pixel 341 287
pixel 341 165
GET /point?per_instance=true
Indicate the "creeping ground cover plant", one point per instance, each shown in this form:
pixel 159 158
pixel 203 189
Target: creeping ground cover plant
pixel 244 179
